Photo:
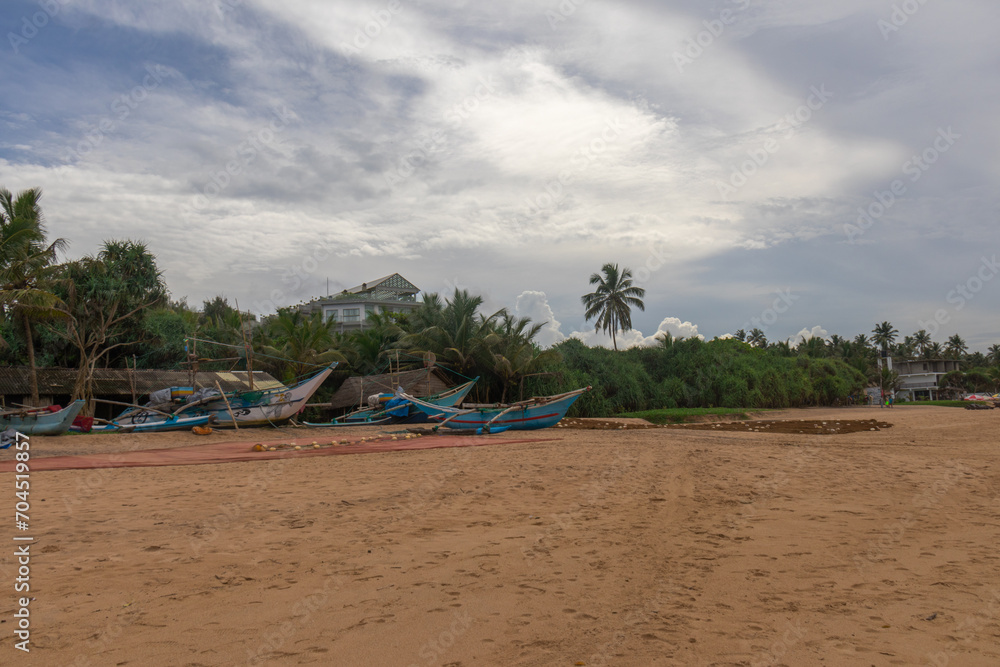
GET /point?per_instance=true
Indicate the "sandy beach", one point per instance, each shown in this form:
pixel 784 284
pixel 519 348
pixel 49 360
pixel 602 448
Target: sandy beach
pixel 594 547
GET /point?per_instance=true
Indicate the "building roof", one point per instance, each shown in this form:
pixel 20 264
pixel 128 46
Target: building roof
pixel 119 381
pixel 386 288
pixel 356 390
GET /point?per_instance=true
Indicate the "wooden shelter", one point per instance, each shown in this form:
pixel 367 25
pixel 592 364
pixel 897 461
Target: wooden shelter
pixel 356 390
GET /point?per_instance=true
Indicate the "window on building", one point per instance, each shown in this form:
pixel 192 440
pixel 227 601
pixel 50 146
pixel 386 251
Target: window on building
pixel 352 314
pixel 331 315
pixel 925 367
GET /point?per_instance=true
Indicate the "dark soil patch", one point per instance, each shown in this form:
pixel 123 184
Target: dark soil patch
pixel 805 426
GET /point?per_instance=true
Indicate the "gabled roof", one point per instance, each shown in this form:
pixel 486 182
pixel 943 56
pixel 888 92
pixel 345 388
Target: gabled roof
pixel 391 284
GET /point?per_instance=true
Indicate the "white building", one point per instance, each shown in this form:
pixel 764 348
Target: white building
pixel 919 378
pixel 352 307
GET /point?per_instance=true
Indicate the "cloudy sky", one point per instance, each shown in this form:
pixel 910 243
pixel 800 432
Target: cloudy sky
pixel 800 166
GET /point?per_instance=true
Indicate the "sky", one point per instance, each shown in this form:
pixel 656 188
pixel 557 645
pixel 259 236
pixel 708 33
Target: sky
pixel 806 168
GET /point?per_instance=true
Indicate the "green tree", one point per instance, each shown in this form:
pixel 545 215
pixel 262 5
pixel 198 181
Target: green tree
pixel 25 261
pixel 933 351
pixel 922 340
pixel 883 335
pixel 956 347
pixel 106 297
pixel 757 338
pixel 994 354
pixel 300 342
pixel 612 302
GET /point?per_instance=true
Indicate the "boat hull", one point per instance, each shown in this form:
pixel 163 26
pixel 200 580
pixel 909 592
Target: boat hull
pixel 271 407
pixel 43 423
pixel 527 418
pixel 175 424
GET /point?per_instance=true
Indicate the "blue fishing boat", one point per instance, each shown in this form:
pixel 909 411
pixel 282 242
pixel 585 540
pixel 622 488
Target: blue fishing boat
pixel 171 423
pixel 40 421
pixel 530 414
pixel 390 409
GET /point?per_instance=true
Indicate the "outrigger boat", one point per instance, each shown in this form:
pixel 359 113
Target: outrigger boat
pixel 171 423
pixel 239 408
pixel 393 410
pixel 41 421
pixel 533 413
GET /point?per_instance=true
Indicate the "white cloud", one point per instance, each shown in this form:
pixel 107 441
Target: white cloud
pixel 535 305
pixel 816 332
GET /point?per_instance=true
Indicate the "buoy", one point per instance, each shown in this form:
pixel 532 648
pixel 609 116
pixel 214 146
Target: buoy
pixel 297 447
pixel 270 449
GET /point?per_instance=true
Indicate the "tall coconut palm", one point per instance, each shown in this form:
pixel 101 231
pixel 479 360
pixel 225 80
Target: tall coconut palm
pixel 933 351
pixel 956 347
pixel 994 354
pixel 922 339
pixel 757 338
pixel 884 335
pixel 612 302
pixel 24 261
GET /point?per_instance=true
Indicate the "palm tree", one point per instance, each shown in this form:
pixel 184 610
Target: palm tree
pixel 515 355
pixel 740 335
pixel 922 339
pixel 757 338
pixel 933 351
pixel 611 303
pixel 861 340
pixel 994 354
pixel 24 261
pixel 956 347
pixel 883 336
pixel 305 341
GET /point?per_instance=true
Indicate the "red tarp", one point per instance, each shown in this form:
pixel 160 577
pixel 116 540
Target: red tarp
pixel 232 452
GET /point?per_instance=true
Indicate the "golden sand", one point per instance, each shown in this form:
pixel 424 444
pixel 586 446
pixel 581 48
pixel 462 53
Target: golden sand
pixel 606 547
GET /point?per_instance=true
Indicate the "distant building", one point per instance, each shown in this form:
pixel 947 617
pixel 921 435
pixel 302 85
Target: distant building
pixel 919 378
pixel 351 308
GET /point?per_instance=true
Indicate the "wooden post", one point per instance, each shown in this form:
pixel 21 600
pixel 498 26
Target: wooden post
pixel 228 407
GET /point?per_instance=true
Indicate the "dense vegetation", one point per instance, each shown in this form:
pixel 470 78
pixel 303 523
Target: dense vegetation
pixel 113 310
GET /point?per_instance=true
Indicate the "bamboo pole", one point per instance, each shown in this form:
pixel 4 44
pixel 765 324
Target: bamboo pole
pixel 132 405
pixel 228 407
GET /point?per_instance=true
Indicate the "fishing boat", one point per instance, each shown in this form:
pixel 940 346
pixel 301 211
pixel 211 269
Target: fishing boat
pixel 268 407
pixel 533 413
pixel 40 421
pixel 389 409
pixel 171 423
